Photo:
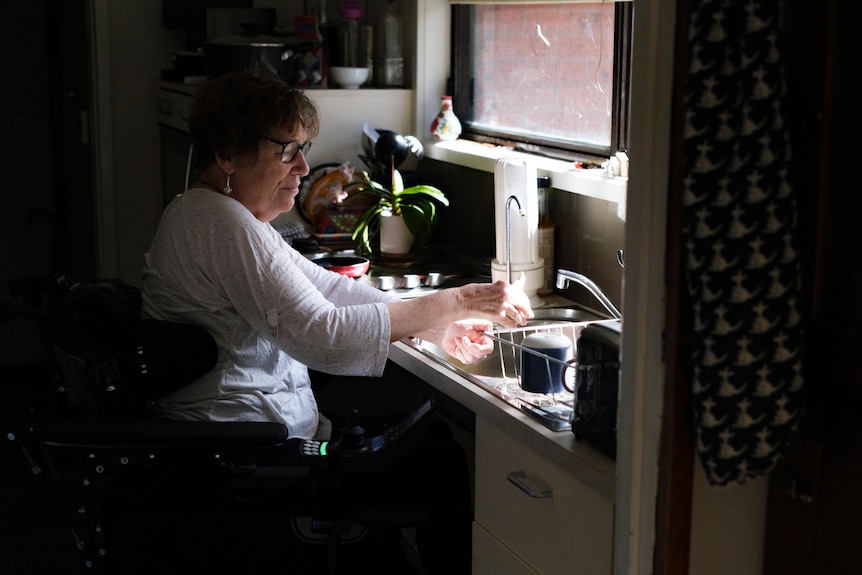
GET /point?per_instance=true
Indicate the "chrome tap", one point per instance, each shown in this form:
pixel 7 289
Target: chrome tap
pixel 509 234
pixel 565 276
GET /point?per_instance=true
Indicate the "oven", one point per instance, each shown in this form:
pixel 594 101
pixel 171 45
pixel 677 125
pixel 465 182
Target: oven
pixel 177 166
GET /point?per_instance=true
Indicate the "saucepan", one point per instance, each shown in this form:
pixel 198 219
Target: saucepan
pixel 250 51
pixel 350 266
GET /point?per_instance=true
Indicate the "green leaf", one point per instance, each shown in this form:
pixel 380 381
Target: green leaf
pixel 420 219
pixel 367 226
pixel 368 187
pixel 423 190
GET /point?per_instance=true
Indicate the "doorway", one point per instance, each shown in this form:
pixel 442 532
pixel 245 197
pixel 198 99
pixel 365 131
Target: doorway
pixel 814 504
pixel 46 226
pixel 48 222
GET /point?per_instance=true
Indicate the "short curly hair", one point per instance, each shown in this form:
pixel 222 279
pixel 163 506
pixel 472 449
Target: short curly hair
pixel 233 112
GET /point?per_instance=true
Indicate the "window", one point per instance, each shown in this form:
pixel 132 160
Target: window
pixel 543 78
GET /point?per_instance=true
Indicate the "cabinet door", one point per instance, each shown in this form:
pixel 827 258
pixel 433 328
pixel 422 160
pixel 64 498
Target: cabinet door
pixel 563 526
pixel 490 557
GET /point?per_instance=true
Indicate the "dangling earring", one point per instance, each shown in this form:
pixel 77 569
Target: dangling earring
pixel 227 188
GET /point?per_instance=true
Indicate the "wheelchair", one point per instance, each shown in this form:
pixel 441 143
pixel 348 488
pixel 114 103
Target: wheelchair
pixel 142 494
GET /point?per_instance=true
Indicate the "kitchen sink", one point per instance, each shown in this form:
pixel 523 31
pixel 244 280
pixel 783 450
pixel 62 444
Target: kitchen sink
pixel 498 373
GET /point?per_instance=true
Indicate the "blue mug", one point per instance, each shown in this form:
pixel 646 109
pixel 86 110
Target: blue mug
pixel 538 374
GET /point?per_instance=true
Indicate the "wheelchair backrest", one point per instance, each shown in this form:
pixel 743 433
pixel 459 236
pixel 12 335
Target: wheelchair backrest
pixel 104 359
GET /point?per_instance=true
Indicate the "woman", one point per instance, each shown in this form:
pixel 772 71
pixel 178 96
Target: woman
pixel 217 262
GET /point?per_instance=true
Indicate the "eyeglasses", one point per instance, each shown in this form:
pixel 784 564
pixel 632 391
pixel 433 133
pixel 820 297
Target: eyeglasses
pixel 290 149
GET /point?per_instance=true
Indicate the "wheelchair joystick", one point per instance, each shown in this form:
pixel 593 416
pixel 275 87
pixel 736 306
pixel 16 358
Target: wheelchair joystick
pixel 353 435
pixel 354 450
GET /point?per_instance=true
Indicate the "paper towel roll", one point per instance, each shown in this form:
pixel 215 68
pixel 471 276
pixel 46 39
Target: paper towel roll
pixel 517 177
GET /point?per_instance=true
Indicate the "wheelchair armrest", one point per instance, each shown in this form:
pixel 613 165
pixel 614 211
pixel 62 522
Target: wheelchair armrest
pixel 168 434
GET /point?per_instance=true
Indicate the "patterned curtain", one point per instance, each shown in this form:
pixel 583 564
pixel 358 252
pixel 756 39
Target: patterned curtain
pixel 739 229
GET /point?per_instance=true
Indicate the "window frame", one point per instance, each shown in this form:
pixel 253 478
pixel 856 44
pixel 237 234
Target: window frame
pixel 460 86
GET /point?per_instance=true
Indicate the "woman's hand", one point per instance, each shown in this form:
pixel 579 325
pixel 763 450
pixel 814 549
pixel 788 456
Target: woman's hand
pixel 506 303
pixel 498 302
pixel 465 340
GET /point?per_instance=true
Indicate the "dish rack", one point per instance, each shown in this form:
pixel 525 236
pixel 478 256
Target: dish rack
pixel 555 410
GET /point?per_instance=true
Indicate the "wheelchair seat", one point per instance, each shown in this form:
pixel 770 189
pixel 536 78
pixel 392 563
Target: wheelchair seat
pixel 143 494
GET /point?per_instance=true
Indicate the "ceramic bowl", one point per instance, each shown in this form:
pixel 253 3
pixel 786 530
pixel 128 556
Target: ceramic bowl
pixel 348 78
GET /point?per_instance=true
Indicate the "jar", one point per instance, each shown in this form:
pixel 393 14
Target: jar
pixel 388 51
pixel 352 44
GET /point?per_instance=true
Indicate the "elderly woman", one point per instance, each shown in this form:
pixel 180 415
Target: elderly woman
pixel 216 262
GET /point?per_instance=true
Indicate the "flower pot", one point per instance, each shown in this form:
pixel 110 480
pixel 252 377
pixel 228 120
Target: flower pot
pixel 395 239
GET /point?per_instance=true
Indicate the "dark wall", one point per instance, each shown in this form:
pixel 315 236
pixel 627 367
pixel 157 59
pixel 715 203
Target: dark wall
pixel 588 231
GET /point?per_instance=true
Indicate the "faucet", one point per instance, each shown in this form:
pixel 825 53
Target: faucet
pixel 565 276
pixel 509 234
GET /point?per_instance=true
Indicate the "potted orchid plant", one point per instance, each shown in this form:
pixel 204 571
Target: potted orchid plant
pixel 404 218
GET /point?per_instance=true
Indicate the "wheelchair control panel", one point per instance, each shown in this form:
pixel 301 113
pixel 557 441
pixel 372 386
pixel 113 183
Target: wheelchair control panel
pixel 353 450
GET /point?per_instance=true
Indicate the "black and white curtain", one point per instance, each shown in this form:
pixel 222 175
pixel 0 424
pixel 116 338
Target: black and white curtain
pixel 739 227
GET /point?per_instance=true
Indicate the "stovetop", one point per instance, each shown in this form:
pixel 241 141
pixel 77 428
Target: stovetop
pixel 420 274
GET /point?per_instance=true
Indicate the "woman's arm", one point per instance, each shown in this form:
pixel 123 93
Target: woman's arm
pixel 497 302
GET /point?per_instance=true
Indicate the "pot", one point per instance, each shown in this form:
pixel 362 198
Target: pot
pixel 350 266
pixel 249 51
pixel 395 239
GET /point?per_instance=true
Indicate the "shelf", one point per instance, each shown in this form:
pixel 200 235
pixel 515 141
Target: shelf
pixel 564 175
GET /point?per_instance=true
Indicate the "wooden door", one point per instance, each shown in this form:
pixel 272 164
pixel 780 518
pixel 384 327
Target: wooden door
pixel 815 504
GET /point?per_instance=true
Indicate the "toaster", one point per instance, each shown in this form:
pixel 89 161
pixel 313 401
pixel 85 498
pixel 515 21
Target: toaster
pixel 597 377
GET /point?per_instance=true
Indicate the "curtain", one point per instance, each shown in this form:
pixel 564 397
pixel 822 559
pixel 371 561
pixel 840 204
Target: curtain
pixel 739 228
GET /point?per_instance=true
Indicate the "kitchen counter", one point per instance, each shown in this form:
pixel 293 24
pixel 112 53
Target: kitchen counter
pixel 576 458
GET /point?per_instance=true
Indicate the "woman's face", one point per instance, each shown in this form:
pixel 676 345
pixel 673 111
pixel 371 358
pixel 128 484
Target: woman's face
pixel 269 186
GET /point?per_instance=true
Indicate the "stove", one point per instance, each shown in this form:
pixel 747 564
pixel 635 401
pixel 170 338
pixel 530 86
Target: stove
pixel 418 275
pixel 411 277
pixel 414 277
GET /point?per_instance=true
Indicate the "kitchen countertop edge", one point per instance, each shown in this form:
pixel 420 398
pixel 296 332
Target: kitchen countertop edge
pixel 576 458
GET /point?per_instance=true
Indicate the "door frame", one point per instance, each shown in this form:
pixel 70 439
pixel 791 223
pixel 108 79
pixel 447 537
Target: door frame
pixel 636 539
pixel 98 21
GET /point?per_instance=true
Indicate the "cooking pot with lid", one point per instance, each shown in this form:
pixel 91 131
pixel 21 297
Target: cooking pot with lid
pixel 249 51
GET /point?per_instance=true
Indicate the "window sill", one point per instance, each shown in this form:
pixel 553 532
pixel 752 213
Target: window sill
pixel 594 183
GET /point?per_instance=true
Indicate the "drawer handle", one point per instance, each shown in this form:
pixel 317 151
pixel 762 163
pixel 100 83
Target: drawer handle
pixel 517 478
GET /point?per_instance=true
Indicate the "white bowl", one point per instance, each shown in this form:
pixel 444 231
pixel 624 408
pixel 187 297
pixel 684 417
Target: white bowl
pixel 348 78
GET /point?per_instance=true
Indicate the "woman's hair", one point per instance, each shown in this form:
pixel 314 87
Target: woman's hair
pixel 232 113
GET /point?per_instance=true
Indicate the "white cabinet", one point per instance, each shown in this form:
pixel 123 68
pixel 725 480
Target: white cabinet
pixel 531 516
pixel 569 533
pixel 490 557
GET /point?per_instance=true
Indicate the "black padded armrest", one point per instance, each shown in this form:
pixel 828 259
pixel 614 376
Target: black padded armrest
pixel 161 433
